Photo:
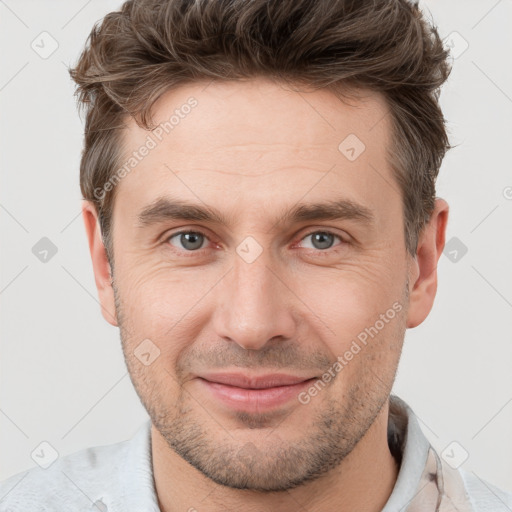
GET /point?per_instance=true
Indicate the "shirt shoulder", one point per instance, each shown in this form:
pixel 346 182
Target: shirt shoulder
pixel 99 478
pixel 484 496
pixel 426 481
pixel 69 479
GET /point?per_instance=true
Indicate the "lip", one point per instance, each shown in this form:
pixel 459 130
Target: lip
pixel 254 393
pixel 240 380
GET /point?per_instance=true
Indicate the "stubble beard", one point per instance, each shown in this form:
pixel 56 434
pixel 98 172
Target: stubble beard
pixel 277 465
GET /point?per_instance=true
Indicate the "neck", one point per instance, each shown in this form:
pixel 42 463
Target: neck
pixel 363 481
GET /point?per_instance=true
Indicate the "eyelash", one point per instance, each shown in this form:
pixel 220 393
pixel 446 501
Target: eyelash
pixel 320 252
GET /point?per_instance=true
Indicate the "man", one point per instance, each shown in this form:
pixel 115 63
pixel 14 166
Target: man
pixel 259 200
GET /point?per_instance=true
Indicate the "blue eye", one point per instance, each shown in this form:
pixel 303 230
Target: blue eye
pixel 189 240
pixel 322 240
pixel 193 241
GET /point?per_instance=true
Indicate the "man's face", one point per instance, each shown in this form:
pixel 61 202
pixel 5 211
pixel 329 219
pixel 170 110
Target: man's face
pixel 263 292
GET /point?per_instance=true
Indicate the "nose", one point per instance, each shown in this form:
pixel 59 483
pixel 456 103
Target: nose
pixel 254 305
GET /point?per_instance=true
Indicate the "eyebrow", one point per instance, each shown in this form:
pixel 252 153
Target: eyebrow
pixel 165 209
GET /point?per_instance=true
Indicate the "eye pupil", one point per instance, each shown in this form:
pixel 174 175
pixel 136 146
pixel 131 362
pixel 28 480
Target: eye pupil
pixel 319 240
pixel 192 240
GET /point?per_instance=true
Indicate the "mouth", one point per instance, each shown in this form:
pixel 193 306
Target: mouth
pixel 254 393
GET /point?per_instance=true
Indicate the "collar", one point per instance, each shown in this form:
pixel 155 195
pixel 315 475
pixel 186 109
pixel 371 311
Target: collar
pixel 425 483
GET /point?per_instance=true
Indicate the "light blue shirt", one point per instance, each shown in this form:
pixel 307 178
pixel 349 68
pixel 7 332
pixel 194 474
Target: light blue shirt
pixel 119 478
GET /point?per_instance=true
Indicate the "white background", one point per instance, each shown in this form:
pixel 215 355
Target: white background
pixel 63 377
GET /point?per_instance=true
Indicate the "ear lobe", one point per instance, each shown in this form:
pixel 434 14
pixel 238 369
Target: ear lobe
pixel 100 264
pixel 423 271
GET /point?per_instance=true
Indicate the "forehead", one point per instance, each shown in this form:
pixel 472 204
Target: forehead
pixel 261 111
pixel 257 142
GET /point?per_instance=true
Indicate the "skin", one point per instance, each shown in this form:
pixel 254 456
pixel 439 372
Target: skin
pixel 252 150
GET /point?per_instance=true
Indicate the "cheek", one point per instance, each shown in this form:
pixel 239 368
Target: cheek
pixel 356 303
pixel 367 344
pixel 352 295
pixel 161 303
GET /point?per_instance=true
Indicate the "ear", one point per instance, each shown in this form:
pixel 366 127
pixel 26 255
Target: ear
pixel 100 264
pixel 423 269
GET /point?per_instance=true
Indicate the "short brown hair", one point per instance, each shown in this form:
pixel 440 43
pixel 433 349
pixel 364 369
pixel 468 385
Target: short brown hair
pixel 151 46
